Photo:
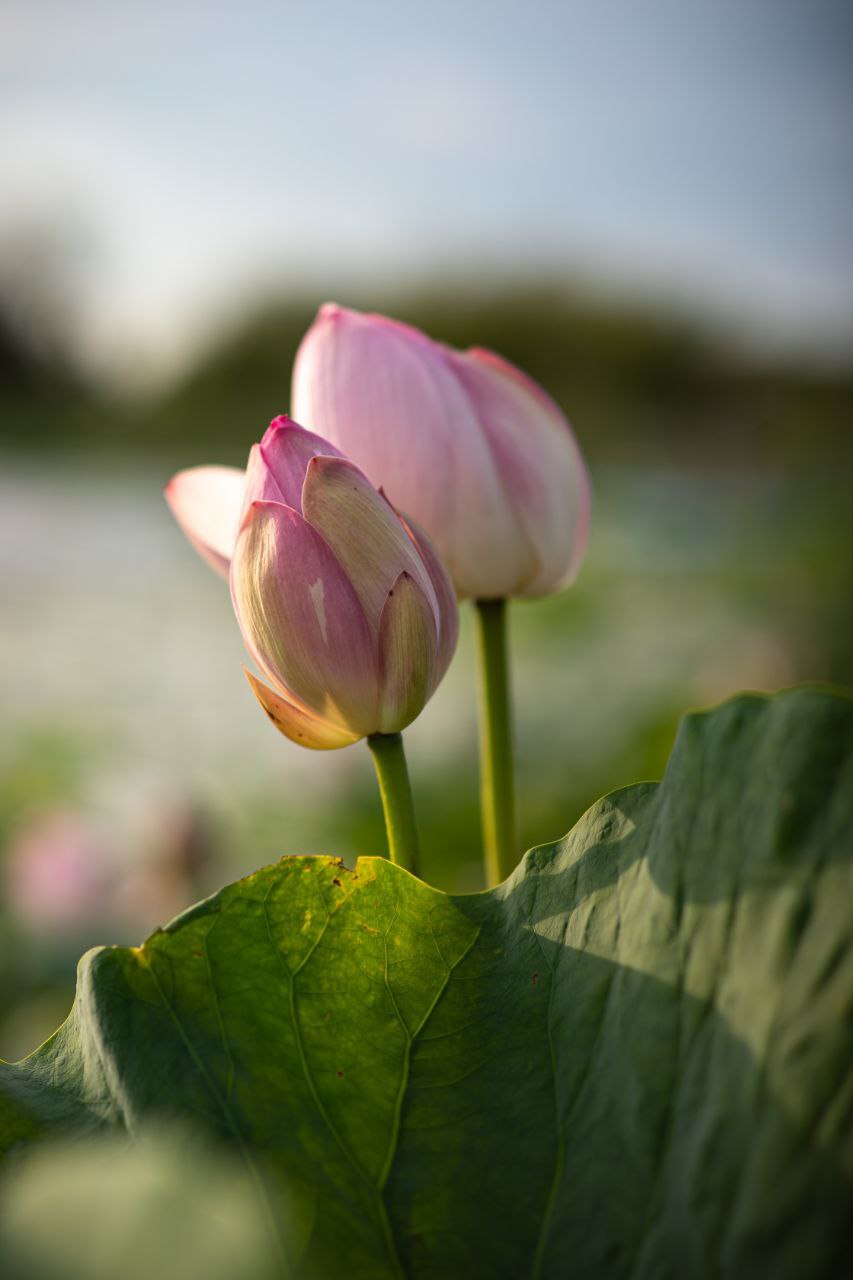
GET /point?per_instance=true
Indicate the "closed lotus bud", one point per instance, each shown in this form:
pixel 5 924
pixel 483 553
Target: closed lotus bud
pixel 475 450
pixel 344 606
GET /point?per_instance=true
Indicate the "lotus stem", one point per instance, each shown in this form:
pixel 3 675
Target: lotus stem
pixel 497 783
pixel 397 804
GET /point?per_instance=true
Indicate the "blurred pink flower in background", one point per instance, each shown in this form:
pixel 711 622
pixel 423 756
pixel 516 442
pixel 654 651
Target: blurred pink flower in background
pixel 57 873
pixel 62 881
pixel 462 441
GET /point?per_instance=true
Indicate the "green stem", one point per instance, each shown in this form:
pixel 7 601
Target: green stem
pixel 396 792
pixel 497 787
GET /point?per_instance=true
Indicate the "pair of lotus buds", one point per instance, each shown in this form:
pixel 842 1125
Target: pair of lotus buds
pixel 347 605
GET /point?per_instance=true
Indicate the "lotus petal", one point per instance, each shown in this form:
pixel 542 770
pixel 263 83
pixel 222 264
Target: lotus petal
pixel 540 465
pixel 389 397
pixel 206 502
pixel 301 618
pixel 363 530
pixel 407 649
pixel 448 613
pixel 286 450
pixel 300 726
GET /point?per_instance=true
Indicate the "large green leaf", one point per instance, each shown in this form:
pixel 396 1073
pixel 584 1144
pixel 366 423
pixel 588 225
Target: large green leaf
pixel 633 1059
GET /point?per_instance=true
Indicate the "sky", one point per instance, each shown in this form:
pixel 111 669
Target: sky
pixel 189 155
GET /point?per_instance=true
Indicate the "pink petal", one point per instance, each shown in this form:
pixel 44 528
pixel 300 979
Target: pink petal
pixel 206 502
pixel 407 649
pixel 300 726
pixel 388 397
pixel 363 530
pixel 541 468
pixel 261 484
pixel 286 451
pixel 301 618
pixel 448 612
pixel 490 359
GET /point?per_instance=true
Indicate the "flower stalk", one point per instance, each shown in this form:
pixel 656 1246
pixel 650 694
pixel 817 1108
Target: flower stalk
pixel 497 783
pixel 398 806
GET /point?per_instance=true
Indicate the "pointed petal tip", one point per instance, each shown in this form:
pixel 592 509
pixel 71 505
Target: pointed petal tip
pixel 331 317
pixel 281 422
pixel 319 459
pixel 326 464
pixel 361 527
pixel 253 510
pixel 330 311
pixel 298 725
pixel 333 313
pixel 403 578
pixel 174 485
pixel 383 494
pixel 259 507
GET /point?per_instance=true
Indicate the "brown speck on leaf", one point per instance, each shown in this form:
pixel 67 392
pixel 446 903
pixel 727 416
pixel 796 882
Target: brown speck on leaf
pixel 336 882
pixel 534 980
pixel 339 1074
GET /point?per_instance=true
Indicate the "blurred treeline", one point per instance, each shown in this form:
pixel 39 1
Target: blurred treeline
pixel 642 385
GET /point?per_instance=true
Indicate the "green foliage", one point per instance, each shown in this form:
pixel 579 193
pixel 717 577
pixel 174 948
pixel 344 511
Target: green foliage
pixel 167 1204
pixel 631 1059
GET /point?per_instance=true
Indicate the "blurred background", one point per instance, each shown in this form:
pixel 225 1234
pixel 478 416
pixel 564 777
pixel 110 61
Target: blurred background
pixel 649 207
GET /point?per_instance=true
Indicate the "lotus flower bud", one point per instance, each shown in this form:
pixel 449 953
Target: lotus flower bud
pixel 344 606
pixel 470 446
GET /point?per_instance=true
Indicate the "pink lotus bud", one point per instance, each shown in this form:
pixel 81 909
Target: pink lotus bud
pixel 465 442
pixel 345 608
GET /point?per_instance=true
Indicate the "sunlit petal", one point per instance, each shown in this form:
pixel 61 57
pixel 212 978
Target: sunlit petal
pixel 300 726
pixel 286 450
pixel 407 648
pixel 301 618
pixel 448 612
pixel 363 530
pixel 206 502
